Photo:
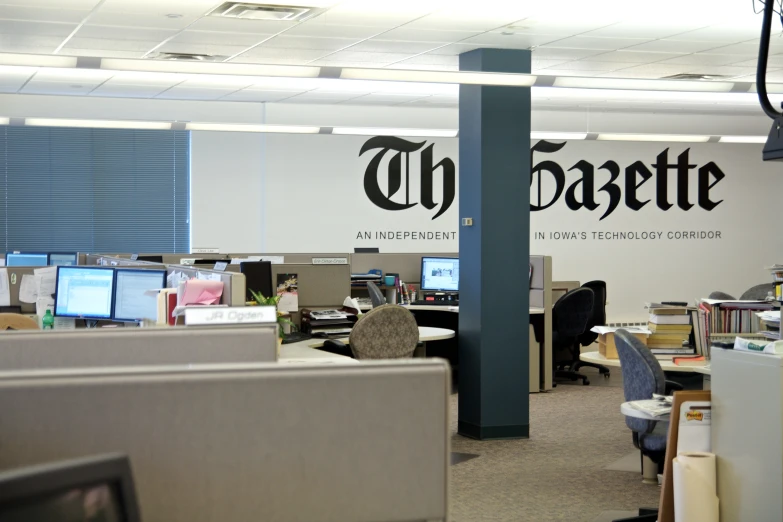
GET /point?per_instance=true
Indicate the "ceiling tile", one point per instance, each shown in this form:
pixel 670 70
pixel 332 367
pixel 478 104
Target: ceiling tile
pixel 422 67
pixel 303 42
pixel 556 23
pixel 115 32
pixel 99 44
pixel 456 49
pixel 36 28
pixel 262 53
pixel 376 45
pixel 382 99
pixel 704 59
pixel 733 71
pixel 632 57
pixel 775 60
pixel 540 65
pixel 323 97
pixel 163 81
pixel 673 46
pixel 39 14
pixel 218 38
pixel 513 41
pixel 432 59
pixel 236 25
pixel 73 76
pixel 118 90
pixel 772 77
pixel 141 20
pixel 182 93
pixel 371 14
pixel 233 83
pixel 12 78
pixel 723 33
pixel 216 50
pixel 371 58
pixel 557 71
pixel 587 65
pixel 160 7
pixel 640 29
pixel 55 88
pixel 44 44
pixel 84 5
pixel 460 20
pixel 742 49
pixel 71 51
pixel 587 42
pixel 333 31
pixel 424 35
pixel 328 62
pixel 556 53
pixel 247 95
pixel 652 70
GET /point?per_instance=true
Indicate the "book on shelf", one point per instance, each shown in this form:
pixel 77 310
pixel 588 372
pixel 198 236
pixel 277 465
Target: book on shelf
pixel 670 328
pixel 696 360
pixel 670 319
pixel 662 309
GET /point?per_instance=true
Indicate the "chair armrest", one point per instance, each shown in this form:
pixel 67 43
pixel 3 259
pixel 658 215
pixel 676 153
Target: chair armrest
pixel 672 386
pixel 333 344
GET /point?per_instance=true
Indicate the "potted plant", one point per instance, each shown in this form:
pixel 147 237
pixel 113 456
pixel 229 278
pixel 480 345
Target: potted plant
pixel 260 300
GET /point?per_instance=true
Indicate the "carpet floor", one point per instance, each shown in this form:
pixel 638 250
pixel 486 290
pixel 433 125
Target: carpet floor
pixel 558 474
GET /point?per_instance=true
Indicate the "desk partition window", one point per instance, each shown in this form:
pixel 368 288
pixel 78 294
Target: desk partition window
pixel 94 190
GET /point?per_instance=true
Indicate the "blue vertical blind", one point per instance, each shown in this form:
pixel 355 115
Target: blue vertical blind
pixel 94 190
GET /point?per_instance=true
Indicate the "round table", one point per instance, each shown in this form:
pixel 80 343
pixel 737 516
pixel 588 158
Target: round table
pixel 429 333
pixel 666 365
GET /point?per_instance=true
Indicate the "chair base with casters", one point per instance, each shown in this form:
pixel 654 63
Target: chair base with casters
pixel 603 370
pixel 568 369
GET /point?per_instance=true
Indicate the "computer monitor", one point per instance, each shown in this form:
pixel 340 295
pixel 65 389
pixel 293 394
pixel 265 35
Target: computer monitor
pixel 97 488
pixel 258 277
pixel 132 303
pixel 63 259
pixel 26 259
pixel 440 273
pixel 151 259
pixel 366 250
pixel 84 292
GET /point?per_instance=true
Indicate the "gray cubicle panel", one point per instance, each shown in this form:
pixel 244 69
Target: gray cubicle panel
pixel 319 285
pixel 289 443
pixel 541 297
pixel 15 275
pixel 102 347
pixel 297 258
pixel 234 286
pixel 407 265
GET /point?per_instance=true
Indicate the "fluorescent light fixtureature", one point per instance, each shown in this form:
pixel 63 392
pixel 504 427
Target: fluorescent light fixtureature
pixel 231 127
pixel 543 135
pixel 98 124
pixel 654 137
pixel 743 139
pixel 385 131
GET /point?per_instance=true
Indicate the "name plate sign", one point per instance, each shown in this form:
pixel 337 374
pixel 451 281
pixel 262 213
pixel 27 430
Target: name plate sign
pixel 205 316
pixel 330 260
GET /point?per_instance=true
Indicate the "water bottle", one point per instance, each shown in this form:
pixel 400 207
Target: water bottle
pixel 48 321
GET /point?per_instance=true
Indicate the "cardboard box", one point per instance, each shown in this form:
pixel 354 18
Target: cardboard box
pixel 607 348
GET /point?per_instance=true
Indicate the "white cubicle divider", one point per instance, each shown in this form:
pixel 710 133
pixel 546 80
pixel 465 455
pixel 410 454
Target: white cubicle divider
pixel 239 443
pixel 101 347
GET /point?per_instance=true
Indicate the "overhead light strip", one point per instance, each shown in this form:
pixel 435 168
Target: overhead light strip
pixel 690 138
pixel 97 124
pixel 386 131
pixel 229 127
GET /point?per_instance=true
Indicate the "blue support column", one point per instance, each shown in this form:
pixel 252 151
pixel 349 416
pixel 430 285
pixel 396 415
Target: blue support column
pixel 494 178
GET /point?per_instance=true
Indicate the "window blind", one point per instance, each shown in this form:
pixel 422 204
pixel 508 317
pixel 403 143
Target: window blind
pixel 94 190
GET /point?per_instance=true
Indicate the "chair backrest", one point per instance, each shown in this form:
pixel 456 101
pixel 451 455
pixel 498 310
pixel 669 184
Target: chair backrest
pixel 721 295
pixel 17 322
pixel 598 317
pixel 376 296
pixel 642 375
pixel 386 332
pixel 571 314
pixel 759 292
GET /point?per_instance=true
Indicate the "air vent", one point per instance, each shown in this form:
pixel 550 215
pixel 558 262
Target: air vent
pixel 187 57
pixel 702 77
pixel 251 11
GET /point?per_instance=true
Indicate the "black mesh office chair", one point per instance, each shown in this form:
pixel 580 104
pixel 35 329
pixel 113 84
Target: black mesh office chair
pixel 598 318
pixel 376 296
pixel 570 316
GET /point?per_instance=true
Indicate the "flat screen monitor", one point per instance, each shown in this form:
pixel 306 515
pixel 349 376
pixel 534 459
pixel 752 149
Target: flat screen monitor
pixel 440 273
pixel 84 293
pixel 26 259
pixel 132 302
pixel 98 488
pixel 258 277
pixel 151 259
pixel 63 259
pixel 366 250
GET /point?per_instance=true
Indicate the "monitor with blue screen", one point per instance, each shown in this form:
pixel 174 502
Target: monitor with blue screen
pixel 440 274
pixel 133 296
pixel 84 292
pixel 63 259
pixel 26 259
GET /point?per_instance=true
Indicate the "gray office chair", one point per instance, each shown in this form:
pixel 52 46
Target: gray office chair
pixel 376 296
pixel 758 292
pixel 386 332
pixel 721 295
pixel 643 376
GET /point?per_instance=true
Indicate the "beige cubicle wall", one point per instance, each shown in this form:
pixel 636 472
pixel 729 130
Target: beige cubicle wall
pixel 102 347
pixel 408 266
pixel 239 443
pixel 318 285
pixel 540 295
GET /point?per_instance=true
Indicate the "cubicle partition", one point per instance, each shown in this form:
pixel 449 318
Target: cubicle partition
pixel 408 266
pixel 319 286
pixel 228 443
pixel 103 347
pixel 541 297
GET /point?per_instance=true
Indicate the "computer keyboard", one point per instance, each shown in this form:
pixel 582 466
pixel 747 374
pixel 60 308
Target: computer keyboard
pixel 295 337
pixel 436 303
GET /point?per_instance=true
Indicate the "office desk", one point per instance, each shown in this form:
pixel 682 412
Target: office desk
pixel 667 365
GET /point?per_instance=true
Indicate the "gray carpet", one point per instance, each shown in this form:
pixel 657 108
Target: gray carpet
pixel 559 473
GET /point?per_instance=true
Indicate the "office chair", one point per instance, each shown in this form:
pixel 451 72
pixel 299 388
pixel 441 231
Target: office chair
pixel 570 316
pixel 17 322
pixel 758 292
pixel 385 332
pixel 643 376
pixel 721 295
pixel 376 296
pixel 598 318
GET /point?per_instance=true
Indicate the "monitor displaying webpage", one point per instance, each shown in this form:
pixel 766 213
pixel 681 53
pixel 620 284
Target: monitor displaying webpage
pixel 84 292
pixel 133 298
pixel 440 273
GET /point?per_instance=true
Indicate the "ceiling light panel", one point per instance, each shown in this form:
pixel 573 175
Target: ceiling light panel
pixel 646 85
pixel 534 135
pixel 654 137
pixel 743 139
pixel 294 71
pixel 439 77
pixel 36 60
pixel 119 90
pixel 97 124
pixel 367 131
pixel 289 129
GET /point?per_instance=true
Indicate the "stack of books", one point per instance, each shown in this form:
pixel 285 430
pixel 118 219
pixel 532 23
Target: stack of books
pixel 671 331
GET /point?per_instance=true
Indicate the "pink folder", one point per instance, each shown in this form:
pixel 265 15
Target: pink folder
pixel 200 291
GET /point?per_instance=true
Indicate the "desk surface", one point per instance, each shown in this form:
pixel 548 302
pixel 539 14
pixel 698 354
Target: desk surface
pixel 307 351
pixel 667 365
pixel 452 309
